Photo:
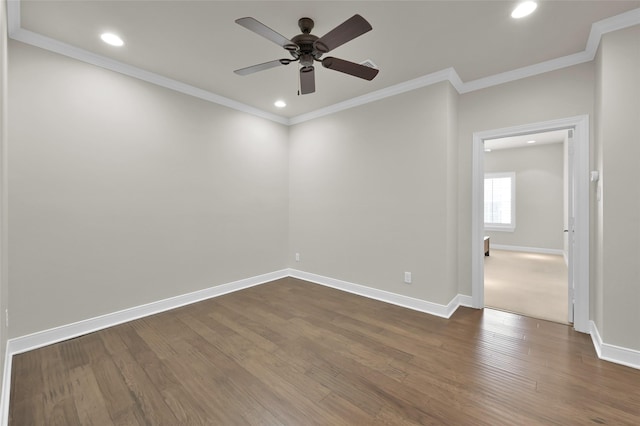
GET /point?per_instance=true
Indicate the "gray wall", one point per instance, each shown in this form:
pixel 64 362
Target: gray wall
pixel 373 194
pixel 123 193
pixel 539 195
pixel 617 234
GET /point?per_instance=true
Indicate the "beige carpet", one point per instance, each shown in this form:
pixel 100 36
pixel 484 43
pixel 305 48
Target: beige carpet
pixel 530 284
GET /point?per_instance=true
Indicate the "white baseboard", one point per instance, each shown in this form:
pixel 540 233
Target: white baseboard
pixel 6 388
pixel 464 300
pixel 527 249
pixel 58 334
pixel 47 337
pixel 613 353
pixel 444 311
pixel 43 338
pixel 69 331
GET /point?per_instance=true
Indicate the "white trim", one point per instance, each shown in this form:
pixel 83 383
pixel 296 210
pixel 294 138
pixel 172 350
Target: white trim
pixel 477 222
pixel 496 229
pixel 464 300
pixel 43 338
pixel 444 311
pixel 524 72
pixel 6 388
pixel 599 28
pixel 13 16
pixel 595 338
pixel 448 74
pixel 613 353
pixel 607 25
pixel 7 22
pixel 581 224
pixel 53 45
pixel 541 250
pixel 581 256
pixel 58 334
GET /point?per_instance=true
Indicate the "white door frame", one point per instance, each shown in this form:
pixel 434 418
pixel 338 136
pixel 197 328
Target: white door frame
pixel 580 261
pixel 569 227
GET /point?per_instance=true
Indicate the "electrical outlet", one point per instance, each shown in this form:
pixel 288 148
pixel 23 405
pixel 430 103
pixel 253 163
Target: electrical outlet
pixel 407 277
pixel 297 257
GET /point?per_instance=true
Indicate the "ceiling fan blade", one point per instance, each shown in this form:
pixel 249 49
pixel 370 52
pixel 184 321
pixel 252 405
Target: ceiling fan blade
pixel 261 29
pixel 350 68
pixel 262 67
pixel 348 30
pixel 307 80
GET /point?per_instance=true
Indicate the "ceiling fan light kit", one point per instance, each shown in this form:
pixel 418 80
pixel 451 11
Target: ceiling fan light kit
pixel 307 48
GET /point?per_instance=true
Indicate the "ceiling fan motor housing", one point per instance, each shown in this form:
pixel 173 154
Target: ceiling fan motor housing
pixel 305 43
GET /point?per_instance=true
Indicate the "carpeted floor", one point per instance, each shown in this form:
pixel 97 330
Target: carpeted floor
pixel 530 284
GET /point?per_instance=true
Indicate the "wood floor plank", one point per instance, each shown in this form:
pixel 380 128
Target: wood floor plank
pixel 344 411
pixel 213 398
pixel 411 402
pixel 294 353
pixel 61 413
pixel 157 341
pixel 88 399
pixel 147 397
pixel 242 387
pixel 253 331
pixel 57 388
pixel 320 333
pixel 118 399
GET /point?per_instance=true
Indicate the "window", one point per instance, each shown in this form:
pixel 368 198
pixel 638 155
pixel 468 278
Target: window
pixel 500 201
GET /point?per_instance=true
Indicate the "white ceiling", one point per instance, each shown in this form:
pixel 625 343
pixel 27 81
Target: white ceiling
pixel 198 42
pixel 522 141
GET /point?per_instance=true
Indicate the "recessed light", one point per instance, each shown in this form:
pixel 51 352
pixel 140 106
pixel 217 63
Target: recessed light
pixel 487 150
pixel 531 141
pixel 280 103
pixel 112 39
pixel 524 9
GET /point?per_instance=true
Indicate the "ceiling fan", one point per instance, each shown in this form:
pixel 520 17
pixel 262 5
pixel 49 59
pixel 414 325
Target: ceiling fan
pixel 307 48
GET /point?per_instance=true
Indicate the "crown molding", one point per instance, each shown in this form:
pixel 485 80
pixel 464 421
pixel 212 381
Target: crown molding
pixel 53 45
pixel 13 16
pixel 599 28
pixel 524 72
pixel 448 74
pixel 614 23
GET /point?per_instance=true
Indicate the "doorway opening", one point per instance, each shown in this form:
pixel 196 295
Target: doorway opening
pixel 526 209
pixel 577 240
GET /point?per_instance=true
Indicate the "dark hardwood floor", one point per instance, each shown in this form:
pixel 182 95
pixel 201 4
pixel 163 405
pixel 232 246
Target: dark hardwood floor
pixel 294 353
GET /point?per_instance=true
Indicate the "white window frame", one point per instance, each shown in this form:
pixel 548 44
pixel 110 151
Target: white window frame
pixel 498 226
